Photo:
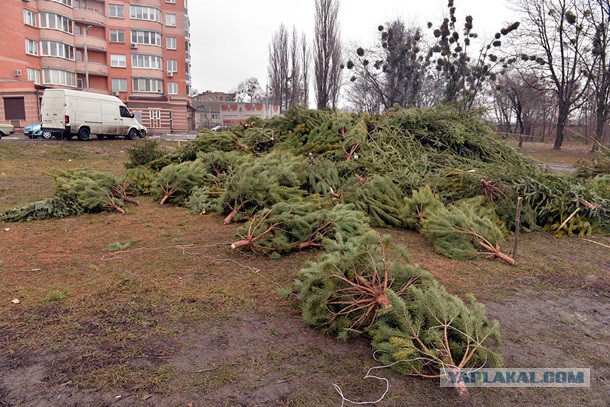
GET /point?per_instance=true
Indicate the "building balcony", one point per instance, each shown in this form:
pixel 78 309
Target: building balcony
pixel 153 3
pixel 146 49
pixel 95 68
pixel 147 73
pixel 90 16
pixel 56 35
pixel 57 63
pixel 95 43
pixel 54 7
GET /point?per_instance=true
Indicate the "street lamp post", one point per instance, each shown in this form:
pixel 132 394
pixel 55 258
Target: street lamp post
pixel 86 58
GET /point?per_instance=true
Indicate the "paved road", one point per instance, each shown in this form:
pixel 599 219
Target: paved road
pixel 560 167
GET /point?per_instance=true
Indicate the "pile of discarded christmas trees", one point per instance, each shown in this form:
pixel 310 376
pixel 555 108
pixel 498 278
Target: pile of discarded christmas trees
pixel 322 180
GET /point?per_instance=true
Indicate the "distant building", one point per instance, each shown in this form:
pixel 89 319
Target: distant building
pixel 137 50
pixel 207 108
pixel 220 109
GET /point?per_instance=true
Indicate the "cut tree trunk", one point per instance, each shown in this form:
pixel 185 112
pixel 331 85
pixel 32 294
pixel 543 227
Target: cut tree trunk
pixel 230 216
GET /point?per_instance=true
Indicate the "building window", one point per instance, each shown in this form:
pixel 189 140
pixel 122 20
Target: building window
pixel 56 49
pixel 146 61
pixel 79 56
pixel 34 76
pixel 170 20
pixel 171 1
pixel 147 85
pixel 58 77
pixel 80 4
pixel 145 37
pixel 56 22
pixel 172 88
pixel 119 85
pixel 117 36
pixel 79 82
pixel 29 18
pixel 14 108
pixel 155 115
pixel 118 61
pixel 64 2
pixel 172 65
pixel 145 13
pixel 116 11
pixel 171 43
pixel 31 47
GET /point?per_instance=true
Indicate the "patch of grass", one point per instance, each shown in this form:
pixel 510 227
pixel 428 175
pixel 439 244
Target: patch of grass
pixel 116 246
pixel 56 296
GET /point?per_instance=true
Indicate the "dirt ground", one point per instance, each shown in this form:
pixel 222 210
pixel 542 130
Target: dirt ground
pixel 177 319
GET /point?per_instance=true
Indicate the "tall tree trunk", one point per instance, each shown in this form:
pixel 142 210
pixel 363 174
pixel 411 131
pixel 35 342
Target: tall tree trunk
pixel 562 119
pixel 600 123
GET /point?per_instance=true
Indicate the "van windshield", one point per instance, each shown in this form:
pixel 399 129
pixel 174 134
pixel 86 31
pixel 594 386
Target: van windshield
pixel 124 112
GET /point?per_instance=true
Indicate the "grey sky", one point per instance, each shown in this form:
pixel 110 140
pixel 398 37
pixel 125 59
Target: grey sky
pixel 230 38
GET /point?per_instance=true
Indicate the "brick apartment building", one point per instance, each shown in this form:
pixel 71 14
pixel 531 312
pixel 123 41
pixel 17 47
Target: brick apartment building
pixel 138 50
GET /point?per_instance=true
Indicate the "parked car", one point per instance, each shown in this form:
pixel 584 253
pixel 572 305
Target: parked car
pixel 35 131
pixel 69 112
pixel 6 129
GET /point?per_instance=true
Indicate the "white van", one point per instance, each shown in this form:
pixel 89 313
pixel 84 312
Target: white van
pixel 68 112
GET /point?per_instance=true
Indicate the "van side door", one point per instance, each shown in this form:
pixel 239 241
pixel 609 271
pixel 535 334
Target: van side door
pixel 126 121
pixel 110 119
pixel 88 113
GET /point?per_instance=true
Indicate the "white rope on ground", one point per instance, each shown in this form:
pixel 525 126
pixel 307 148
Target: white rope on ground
pixel 185 251
pixel 370 376
pixel 116 255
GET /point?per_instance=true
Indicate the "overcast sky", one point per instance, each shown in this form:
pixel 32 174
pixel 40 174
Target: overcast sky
pixel 230 39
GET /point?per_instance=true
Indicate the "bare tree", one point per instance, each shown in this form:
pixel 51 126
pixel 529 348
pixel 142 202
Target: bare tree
pixel 521 104
pixel 288 69
pixel 597 62
pixel 295 82
pixel 392 71
pixel 465 70
pixel 327 53
pixel 278 67
pixel 249 91
pixel 362 98
pixel 559 32
pixel 305 64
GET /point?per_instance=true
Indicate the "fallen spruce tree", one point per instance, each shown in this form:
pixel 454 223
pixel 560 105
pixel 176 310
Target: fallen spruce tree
pixel 367 288
pixel 50 208
pixel 433 331
pixel 465 230
pixel 293 226
pixel 343 292
pixel 175 182
pixel 76 192
pixel 261 183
